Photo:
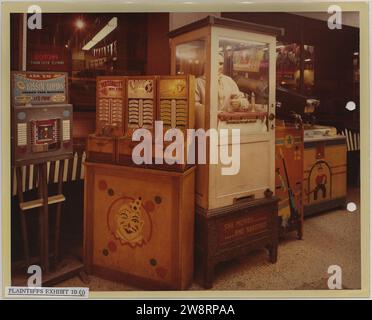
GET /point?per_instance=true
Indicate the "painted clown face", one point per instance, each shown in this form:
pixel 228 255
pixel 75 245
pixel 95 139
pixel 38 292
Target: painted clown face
pixel 129 221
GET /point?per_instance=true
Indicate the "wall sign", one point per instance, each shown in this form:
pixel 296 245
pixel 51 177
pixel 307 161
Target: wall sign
pixel 46 58
pixel 39 88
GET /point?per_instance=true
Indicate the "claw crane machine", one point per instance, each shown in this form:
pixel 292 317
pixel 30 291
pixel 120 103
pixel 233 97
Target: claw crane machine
pixel 234 65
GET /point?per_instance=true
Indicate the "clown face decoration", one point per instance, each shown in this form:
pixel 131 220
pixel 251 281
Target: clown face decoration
pixel 129 221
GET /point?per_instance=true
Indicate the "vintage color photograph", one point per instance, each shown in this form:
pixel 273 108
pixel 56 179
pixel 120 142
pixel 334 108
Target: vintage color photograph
pixel 92 94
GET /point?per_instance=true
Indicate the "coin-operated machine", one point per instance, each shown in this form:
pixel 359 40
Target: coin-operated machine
pixel 110 118
pixel 140 113
pixel 42 123
pixel 325 155
pixel 41 132
pixel 139 217
pixel 234 66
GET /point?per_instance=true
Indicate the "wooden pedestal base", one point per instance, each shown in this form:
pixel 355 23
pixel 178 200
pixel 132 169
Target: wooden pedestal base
pixel 229 232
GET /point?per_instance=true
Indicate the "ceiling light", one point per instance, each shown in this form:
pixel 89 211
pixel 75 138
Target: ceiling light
pixel 79 24
pixel 105 31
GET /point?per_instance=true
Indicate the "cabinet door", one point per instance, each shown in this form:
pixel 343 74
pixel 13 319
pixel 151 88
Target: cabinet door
pixel 135 224
pixel 242 98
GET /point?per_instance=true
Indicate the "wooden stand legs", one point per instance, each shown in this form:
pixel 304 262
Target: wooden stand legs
pixel 42 203
pixel 58 214
pixel 45 217
pixel 22 216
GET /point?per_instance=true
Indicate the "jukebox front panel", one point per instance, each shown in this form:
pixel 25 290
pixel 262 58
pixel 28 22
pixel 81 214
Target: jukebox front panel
pixel 41 133
pixel 110 106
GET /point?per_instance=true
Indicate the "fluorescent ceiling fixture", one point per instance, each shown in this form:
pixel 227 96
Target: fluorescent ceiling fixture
pixel 307 60
pixel 106 30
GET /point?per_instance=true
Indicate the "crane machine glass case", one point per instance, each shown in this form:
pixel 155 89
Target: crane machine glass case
pixel 234 66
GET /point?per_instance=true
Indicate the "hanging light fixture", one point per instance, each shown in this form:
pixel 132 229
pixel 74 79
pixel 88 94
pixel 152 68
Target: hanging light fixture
pixel 104 32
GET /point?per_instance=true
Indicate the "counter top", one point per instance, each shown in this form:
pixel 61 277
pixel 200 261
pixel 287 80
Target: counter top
pixel 316 138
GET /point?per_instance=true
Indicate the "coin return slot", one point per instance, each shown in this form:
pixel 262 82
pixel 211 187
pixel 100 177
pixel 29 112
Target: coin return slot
pixel 244 199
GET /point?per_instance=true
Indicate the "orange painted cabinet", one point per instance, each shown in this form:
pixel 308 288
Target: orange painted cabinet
pixel 325 172
pixel 139 225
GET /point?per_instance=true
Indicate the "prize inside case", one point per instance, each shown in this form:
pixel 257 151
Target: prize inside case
pixel 243 66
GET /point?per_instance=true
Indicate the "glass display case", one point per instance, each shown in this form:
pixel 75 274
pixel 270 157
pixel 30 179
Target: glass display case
pixel 295 67
pixel 288 67
pixel 234 66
